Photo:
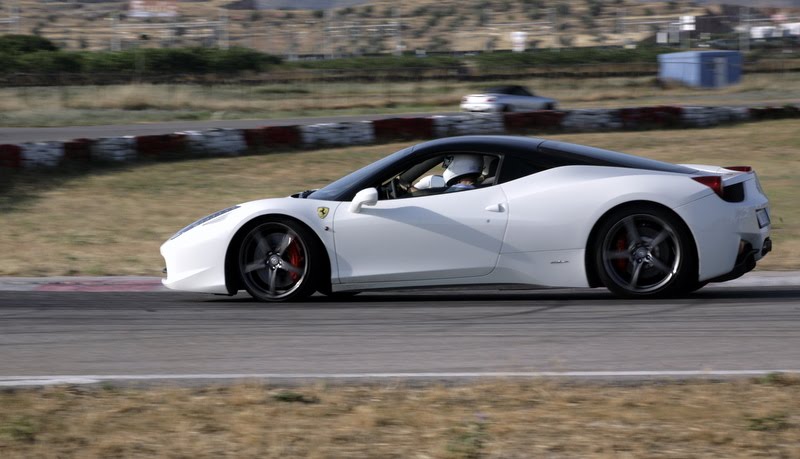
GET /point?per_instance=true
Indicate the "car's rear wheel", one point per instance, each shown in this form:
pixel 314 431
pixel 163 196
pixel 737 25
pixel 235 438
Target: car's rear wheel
pixel 507 108
pixel 643 251
pixel 277 261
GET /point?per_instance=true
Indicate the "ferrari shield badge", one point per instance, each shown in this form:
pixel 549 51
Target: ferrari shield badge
pixel 322 212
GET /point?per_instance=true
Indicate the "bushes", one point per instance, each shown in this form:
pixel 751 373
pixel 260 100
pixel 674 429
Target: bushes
pixel 573 56
pixel 22 44
pixel 379 62
pixel 30 54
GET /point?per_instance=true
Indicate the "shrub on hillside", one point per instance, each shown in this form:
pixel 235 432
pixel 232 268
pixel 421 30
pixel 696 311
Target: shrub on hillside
pixel 23 44
pixel 50 62
pixel 573 56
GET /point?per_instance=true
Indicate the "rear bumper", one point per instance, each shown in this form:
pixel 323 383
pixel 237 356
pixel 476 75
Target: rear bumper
pixel 727 235
pixel 745 262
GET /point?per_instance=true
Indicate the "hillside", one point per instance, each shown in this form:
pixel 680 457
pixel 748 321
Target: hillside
pixel 379 26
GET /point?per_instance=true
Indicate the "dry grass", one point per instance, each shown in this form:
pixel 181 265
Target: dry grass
pixel 112 222
pixel 146 102
pixel 490 419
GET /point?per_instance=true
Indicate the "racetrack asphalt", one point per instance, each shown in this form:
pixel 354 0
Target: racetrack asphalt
pixel 748 326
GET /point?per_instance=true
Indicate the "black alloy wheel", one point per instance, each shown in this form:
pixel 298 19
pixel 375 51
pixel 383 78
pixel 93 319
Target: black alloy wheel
pixel 276 261
pixel 645 252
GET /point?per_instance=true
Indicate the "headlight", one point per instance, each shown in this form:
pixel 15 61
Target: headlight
pixel 205 219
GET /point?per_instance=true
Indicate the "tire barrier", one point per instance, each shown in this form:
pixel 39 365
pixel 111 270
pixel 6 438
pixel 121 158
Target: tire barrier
pixel 10 156
pixel 232 142
pixel 592 120
pixel 713 116
pixel 468 123
pixel 216 142
pixel 114 149
pixel 154 146
pixel 79 150
pixel 544 120
pixel 393 129
pixel 775 113
pixel 42 154
pixel 650 117
pixel 336 134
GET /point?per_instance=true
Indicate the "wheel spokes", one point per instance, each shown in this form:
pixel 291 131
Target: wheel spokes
pixel 635 277
pixel 286 266
pixel 256 265
pixel 617 254
pixel 273 277
pixel 663 235
pixel 633 233
pixel 659 265
pixel 287 239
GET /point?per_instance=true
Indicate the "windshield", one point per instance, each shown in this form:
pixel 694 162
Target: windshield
pixel 334 190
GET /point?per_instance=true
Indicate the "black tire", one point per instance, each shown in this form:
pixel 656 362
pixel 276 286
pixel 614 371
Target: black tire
pixel 278 261
pixel 643 251
pixel 549 106
pixel 508 108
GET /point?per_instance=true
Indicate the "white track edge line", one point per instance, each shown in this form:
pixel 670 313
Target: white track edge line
pixel 93 379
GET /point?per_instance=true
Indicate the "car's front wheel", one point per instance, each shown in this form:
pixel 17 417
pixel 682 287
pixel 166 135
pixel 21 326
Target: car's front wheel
pixel 643 251
pixel 276 261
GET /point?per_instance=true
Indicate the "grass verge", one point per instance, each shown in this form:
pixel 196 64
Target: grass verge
pixel 87 105
pixel 112 221
pixel 492 418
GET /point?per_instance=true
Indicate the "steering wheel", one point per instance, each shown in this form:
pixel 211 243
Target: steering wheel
pixel 395 188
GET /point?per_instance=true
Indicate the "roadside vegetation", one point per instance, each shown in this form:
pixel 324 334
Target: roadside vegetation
pixel 490 418
pixel 112 221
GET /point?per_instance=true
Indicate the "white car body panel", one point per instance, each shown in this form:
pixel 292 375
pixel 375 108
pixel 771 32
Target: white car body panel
pixel 449 235
pixel 503 102
pixel 196 259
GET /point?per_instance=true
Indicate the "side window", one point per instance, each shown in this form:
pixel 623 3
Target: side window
pixel 444 173
pixel 515 167
pixel 522 92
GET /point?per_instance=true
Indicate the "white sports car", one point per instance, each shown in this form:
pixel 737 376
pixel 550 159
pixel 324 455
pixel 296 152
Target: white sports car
pixel 511 98
pixel 526 211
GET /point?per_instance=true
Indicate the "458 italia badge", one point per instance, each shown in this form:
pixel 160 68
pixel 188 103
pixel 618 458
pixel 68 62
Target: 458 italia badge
pixel 322 212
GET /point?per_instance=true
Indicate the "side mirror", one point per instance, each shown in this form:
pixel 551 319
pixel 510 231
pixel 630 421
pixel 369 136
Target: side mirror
pixel 365 197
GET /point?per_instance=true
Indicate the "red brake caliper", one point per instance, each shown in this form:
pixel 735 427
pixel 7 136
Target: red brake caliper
pixel 294 257
pixel 621 263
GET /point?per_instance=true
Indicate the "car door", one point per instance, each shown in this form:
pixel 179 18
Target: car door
pixel 441 236
pixel 526 100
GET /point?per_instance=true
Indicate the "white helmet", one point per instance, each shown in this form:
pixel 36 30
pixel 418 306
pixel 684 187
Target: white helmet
pixel 430 181
pixel 461 165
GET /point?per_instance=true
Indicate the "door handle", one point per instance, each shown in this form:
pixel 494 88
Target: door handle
pixel 496 208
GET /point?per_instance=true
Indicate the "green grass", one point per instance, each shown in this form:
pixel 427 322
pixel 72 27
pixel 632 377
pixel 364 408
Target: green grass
pixel 112 221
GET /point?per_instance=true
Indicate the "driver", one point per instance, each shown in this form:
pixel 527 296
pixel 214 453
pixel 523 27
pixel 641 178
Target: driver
pixel 462 172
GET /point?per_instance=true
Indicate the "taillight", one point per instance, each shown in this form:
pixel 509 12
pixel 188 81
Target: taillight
pixel 491 99
pixel 712 181
pixel 740 168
